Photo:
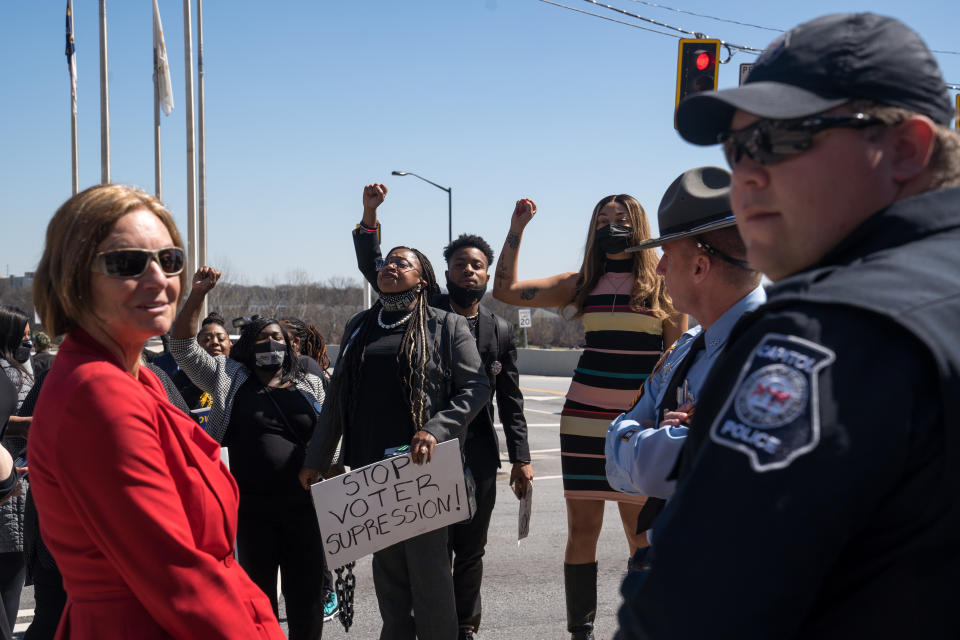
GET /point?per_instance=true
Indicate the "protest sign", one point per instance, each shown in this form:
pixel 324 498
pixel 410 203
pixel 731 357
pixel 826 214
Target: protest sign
pixel 381 504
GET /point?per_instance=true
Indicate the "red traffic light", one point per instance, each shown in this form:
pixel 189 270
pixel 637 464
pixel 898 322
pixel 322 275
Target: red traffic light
pixel 697 67
pixel 703 60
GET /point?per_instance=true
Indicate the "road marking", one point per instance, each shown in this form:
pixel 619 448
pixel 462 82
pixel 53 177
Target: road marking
pixel 540 398
pixel 536 424
pixel 553 393
pixel 20 627
pixel 545 451
pixel 549 413
pixel 535 478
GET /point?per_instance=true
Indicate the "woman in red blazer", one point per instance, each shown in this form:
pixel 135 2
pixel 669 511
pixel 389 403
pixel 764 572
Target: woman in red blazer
pixel 134 503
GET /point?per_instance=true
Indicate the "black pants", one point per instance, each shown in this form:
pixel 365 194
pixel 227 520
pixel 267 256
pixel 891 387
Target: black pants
pixel 415 575
pixel 467 542
pixel 50 599
pixel 12 575
pixel 282 533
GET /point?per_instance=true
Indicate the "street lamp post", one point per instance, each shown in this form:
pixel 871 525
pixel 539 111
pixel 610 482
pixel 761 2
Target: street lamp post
pixel 449 191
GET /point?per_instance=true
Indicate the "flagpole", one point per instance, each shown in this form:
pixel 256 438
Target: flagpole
pixel 201 147
pixel 74 147
pixel 104 99
pixel 157 170
pixel 192 256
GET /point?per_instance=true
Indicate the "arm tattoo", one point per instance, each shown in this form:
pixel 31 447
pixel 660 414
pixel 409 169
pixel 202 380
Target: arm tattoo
pixel 501 273
pixel 513 240
pixel 528 294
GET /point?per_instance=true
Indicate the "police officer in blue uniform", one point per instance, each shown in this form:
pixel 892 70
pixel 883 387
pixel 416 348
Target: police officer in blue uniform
pixel 819 490
pixel 706 276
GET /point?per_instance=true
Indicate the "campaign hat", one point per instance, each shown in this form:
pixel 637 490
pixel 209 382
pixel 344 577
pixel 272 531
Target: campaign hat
pixel 698 201
pixel 820 65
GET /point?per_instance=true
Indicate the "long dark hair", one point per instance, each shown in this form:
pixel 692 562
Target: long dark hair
pixel 243 351
pixel 414 352
pixel 312 343
pixel 13 324
pixel 648 291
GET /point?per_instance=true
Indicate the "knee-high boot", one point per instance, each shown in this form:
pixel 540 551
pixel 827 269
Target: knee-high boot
pixel 580 583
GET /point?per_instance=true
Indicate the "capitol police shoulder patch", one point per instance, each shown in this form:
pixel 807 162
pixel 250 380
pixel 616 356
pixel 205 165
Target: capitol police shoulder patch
pixel 773 413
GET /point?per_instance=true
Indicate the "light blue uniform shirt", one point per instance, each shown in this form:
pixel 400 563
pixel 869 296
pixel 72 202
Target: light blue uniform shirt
pixel 641 456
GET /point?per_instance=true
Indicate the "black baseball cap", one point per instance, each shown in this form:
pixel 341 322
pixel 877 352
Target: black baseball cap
pixel 822 64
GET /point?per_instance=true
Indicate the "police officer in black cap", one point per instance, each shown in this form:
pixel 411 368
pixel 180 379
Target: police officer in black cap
pixel 819 489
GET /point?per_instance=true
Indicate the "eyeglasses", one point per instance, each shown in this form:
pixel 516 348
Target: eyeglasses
pixel 133 263
pixel 770 141
pixel 399 263
pixel 708 248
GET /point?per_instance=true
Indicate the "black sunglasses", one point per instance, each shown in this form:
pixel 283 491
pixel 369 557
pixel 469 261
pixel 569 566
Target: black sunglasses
pixel 770 141
pixel 133 263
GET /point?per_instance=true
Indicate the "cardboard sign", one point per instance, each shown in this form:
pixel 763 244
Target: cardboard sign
pixel 381 504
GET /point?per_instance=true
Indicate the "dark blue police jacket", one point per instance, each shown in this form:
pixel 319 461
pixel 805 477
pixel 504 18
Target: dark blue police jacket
pixel 819 492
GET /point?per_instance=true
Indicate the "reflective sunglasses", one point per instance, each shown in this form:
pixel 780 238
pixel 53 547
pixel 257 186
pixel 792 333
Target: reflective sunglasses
pixel 770 141
pixel 133 263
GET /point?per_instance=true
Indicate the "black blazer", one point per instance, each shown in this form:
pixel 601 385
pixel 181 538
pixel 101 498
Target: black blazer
pixel 495 343
pixel 457 390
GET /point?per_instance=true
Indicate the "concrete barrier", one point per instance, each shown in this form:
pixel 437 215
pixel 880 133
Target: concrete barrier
pixel 547 362
pixel 532 362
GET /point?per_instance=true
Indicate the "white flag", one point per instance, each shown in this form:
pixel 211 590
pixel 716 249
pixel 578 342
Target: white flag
pixel 162 70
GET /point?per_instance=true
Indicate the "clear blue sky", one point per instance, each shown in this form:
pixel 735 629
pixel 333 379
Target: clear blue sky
pixel 307 101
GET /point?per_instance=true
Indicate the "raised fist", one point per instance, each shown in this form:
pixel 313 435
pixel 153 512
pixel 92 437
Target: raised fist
pixel 373 195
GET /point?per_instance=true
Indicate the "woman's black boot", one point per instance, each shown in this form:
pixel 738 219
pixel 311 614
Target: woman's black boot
pixel 580 584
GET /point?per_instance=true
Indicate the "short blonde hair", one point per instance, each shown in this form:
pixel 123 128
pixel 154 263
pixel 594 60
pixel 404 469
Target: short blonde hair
pixel 61 285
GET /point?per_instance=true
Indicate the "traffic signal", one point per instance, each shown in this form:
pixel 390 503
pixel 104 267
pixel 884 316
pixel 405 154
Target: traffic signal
pixel 696 68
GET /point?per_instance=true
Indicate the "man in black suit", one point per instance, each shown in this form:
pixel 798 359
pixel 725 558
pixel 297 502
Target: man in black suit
pixel 468 258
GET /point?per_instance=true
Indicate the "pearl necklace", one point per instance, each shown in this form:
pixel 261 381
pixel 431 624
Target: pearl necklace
pixel 396 324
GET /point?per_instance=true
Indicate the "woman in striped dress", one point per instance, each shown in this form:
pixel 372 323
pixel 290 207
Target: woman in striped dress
pixel 628 319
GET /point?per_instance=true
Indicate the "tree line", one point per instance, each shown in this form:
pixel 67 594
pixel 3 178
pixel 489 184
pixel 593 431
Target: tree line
pixel 328 306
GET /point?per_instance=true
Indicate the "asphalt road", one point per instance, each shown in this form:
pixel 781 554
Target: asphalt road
pixel 522 585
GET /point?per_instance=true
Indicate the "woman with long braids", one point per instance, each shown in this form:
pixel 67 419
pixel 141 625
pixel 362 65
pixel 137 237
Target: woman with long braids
pixel 309 344
pixel 265 408
pixel 628 318
pixel 407 373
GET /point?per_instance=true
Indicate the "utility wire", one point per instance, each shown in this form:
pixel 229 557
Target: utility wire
pixel 597 15
pixel 953 86
pixel 744 24
pixel 703 15
pixel 695 34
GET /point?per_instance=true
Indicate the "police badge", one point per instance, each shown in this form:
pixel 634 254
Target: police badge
pixel 495 368
pixel 773 413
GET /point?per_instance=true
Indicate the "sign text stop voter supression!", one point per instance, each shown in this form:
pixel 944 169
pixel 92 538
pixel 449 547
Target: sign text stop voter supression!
pixel 373 507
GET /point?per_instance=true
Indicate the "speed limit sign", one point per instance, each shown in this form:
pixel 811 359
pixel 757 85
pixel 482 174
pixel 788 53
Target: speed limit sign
pixel 525 319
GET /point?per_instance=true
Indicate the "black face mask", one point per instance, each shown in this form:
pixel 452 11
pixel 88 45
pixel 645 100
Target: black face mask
pixel 22 354
pixel 269 355
pixel 613 238
pixel 465 296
